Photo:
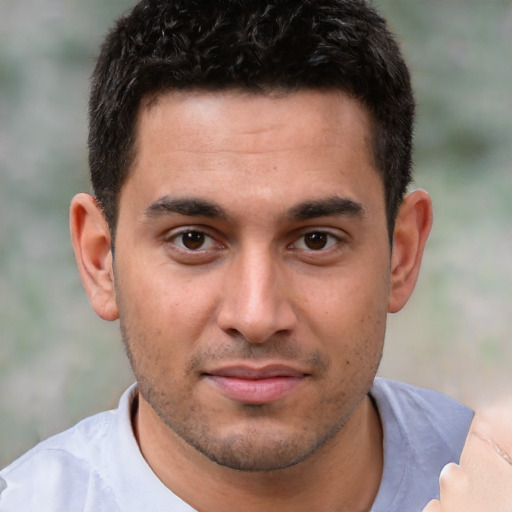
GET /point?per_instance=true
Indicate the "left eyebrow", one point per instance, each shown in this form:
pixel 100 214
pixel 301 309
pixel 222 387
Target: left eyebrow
pixel 325 208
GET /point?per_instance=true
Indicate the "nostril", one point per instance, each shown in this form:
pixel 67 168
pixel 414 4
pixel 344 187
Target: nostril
pixel 234 333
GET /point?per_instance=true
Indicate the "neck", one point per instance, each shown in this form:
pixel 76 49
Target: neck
pixel 343 475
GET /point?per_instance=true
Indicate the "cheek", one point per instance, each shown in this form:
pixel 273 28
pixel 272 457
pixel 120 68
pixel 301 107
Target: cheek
pixel 348 317
pixel 347 303
pixel 162 306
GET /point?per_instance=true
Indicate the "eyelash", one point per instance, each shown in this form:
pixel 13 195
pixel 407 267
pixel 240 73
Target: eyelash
pixel 331 241
pixel 207 238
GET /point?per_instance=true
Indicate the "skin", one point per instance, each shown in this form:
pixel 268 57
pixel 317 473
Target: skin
pixel 482 480
pixel 286 268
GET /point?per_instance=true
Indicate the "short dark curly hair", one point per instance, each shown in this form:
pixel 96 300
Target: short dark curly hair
pixel 257 46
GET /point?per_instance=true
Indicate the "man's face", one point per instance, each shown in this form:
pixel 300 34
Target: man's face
pixel 252 270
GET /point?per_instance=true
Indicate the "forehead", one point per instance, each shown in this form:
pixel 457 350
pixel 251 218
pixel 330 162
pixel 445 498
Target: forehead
pixel 210 120
pixel 261 145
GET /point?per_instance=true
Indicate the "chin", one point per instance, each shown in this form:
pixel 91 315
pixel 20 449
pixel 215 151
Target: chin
pixel 259 450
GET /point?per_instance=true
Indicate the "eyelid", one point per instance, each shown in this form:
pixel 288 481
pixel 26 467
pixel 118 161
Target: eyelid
pixel 171 235
pixel 337 234
pixel 207 243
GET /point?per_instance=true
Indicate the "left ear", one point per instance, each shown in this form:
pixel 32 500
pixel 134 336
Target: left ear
pixel 412 227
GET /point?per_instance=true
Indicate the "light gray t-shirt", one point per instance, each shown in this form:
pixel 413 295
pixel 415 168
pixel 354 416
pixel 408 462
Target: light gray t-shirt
pixel 96 466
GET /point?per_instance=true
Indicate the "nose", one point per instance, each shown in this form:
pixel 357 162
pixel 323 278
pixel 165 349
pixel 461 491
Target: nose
pixel 255 302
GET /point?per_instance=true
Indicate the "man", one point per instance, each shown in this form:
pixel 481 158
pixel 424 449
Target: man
pixel 250 229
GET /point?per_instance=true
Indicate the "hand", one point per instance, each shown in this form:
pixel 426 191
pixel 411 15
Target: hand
pixel 483 480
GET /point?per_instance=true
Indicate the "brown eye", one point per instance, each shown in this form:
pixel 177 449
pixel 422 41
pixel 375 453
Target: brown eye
pixel 193 240
pixel 316 241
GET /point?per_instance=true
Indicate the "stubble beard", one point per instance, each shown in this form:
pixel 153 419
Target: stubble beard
pixel 253 448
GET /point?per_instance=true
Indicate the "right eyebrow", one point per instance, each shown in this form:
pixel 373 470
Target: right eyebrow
pixel 326 207
pixel 189 206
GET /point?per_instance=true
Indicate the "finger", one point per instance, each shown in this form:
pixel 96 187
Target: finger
pixel 433 506
pixel 454 489
pixel 452 479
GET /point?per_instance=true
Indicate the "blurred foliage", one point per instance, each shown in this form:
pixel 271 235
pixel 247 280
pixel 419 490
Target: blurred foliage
pixel 59 363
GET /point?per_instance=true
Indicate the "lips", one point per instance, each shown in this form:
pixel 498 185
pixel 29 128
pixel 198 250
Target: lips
pixel 251 385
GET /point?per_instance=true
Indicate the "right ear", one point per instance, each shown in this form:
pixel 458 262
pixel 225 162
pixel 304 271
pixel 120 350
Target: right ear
pixel 90 236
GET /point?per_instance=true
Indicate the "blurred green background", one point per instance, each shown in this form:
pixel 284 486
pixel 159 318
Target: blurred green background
pixel 59 363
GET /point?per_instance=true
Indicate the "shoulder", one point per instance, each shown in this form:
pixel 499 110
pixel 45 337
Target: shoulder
pixel 65 472
pixel 77 443
pixel 416 409
pixel 401 397
pixel 423 431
